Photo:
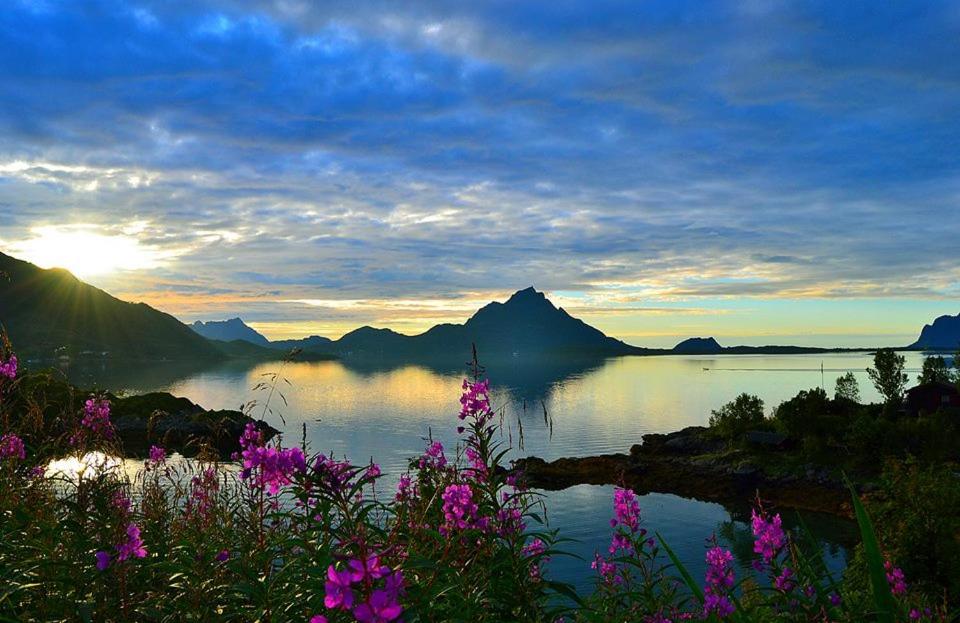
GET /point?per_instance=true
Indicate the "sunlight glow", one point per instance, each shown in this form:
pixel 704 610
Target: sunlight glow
pixel 84 251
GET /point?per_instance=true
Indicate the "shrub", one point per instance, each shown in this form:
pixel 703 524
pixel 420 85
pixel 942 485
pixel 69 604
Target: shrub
pixel 734 419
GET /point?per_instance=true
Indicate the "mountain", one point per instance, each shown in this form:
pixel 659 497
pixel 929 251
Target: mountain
pixel 527 325
pixel 314 343
pixel 698 346
pixel 944 333
pixel 228 331
pixel 47 310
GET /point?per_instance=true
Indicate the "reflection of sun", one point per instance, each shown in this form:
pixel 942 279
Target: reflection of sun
pixel 84 252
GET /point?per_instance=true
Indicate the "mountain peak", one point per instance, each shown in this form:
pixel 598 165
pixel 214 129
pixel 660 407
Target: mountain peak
pixel 528 296
pixel 698 346
pixel 228 331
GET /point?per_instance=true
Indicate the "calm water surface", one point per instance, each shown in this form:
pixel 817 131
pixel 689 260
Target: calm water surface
pixel 384 413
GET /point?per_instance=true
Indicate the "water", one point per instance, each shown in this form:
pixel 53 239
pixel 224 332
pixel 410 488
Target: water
pixel 384 413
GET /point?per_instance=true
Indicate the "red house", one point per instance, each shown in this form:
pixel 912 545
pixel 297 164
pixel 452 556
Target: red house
pixel 931 397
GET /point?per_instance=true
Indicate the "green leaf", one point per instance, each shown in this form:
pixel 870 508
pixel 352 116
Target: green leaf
pixel 882 597
pixel 687 578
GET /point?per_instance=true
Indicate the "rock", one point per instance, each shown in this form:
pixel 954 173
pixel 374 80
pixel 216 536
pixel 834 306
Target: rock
pixel 178 424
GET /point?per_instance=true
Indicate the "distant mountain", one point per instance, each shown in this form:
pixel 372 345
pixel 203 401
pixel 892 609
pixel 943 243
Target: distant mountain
pixel 527 325
pixel 48 312
pixel 314 343
pixel 228 331
pixel 698 346
pixel 944 333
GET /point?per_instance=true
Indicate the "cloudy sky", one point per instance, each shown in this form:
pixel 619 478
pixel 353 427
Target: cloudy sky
pixel 759 171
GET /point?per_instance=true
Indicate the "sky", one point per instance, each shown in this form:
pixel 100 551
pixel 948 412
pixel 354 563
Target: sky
pixel 764 172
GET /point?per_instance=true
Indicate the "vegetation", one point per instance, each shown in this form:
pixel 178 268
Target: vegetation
pixel 935 370
pixel 292 536
pixel 888 376
pixel 737 417
pixel 847 388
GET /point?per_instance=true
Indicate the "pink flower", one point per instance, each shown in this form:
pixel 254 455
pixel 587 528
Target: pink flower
pixel 459 509
pixel 768 536
pixel 784 581
pixel 8 368
pixel 896 579
pixel 133 546
pixel 475 401
pixel 270 467
pixel 719 580
pixel 11 447
pixel 158 456
pixel 433 457
pixel 382 607
pixel 373 471
pixel 96 417
pixel 339 589
pixel 318 618
pixel 626 508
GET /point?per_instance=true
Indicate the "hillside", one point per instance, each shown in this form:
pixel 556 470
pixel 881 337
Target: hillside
pixel 48 312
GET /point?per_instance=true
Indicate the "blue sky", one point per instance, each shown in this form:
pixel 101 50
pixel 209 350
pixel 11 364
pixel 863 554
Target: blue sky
pixel 759 171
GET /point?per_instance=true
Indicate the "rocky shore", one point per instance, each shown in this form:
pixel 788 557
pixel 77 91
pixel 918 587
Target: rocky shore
pixel 178 424
pixel 693 463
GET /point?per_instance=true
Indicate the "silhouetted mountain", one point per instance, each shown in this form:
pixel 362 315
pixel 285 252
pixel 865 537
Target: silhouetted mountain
pixel 228 331
pixel 47 312
pixel 698 346
pixel 944 333
pixel 314 343
pixel 525 326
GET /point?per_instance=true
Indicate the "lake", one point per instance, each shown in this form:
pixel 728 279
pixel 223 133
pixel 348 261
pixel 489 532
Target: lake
pixel 385 412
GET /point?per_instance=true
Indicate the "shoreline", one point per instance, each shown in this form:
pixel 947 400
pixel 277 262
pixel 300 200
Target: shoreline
pixel 687 463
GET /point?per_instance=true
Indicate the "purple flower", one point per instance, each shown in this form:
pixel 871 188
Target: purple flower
pixel 784 581
pixel 11 447
pixel 433 456
pixel 103 560
pixel 626 508
pixel 370 568
pixel 223 555
pixel 896 579
pixel 382 607
pixel 96 417
pixel 318 618
pixel 8 368
pixel 459 509
pixel 475 401
pixel 373 471
pixel 133 546
pixel 158 456
pixel 270 467
pixel 768 535
pixel 339 589
pixel 719 580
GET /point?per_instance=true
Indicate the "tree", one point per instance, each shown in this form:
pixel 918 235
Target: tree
pixel 735 418
pixel 847 388
pixel 935 370
pixel 887 374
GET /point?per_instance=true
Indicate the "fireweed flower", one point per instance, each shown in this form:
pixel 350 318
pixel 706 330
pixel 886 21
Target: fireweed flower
pixel 370 568
pixel 896 579
pixel 8 368
pixel 203 491
pixel 121 502
pixel 719 580
pixel 271 468
pixel 11 447
pixel 382 607
pixel 158 456
pixel 784 582
pixel 405 488
pixel 536 547
pixel 433 457
pixel 475 401
pixel 96 417
pixel 318 618
pixel 768 535
pixel 459 509
pixel 339 589
pixel 626 510
pixel 373 471
pixel 133 546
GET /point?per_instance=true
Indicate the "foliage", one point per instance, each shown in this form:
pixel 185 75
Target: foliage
pixel 847 388
pixel 734 419
pixel 887 375
pixel 935 370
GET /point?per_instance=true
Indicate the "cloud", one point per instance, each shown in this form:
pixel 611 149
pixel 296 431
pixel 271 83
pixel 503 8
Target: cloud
pixel 669 152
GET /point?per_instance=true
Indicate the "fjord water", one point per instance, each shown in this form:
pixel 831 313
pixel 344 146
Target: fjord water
pixel 384 412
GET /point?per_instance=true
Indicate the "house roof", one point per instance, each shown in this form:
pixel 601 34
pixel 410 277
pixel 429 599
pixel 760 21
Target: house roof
pixel 941 385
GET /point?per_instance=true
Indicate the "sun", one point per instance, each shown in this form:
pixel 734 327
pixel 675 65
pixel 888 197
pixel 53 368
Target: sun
pixel 85 251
